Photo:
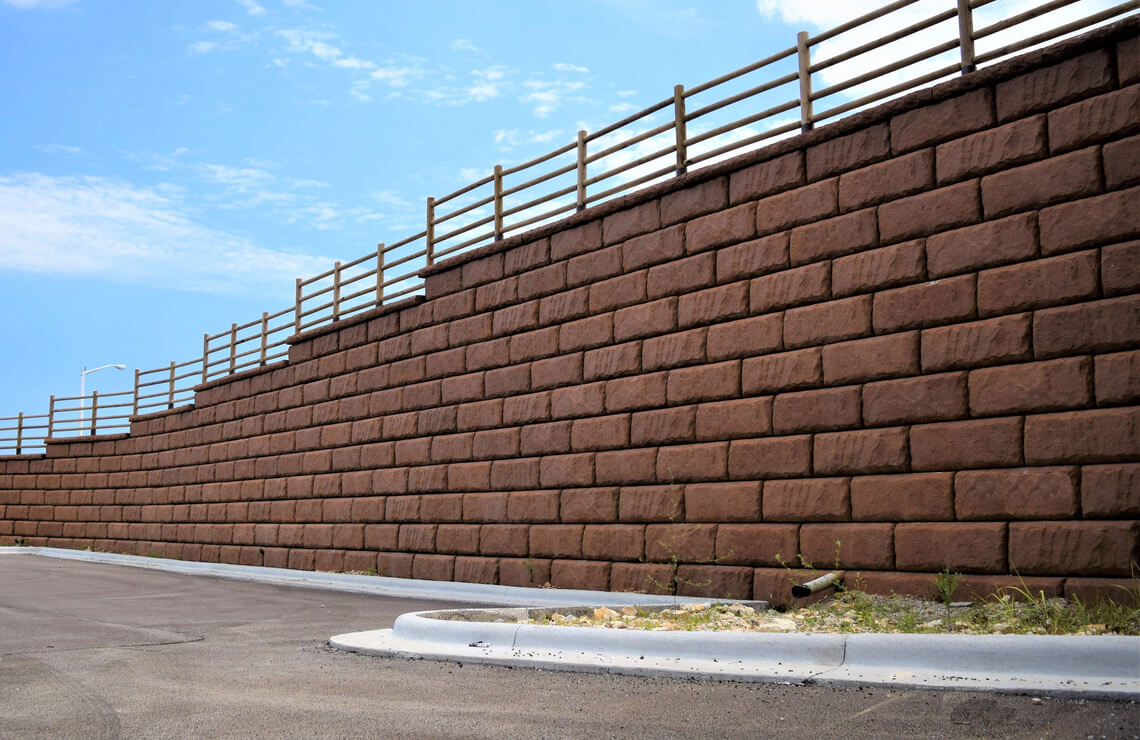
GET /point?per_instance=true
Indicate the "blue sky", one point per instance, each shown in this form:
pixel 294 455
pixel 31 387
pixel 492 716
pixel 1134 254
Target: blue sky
pixel 167 168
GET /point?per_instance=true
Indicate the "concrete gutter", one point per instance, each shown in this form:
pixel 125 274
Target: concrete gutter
pixel 404 588
pixel 1106 667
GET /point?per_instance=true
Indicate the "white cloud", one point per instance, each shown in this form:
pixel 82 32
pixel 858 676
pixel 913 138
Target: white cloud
pixel 251 7
pixel 622 107
pixel 564 67
pixel 58 149
pixel 221 26
pixel 38 4
pixel 821 15
pixel 390 198
pixel 204 47
pixel 471 174
pixel 359 90
pixel 236 177
pixel 312 42
pixel 354 63
pixel 549 95
pixel 463 45
pixel 626 93
pixel 117 231
pixel 396 76
pixel 544 137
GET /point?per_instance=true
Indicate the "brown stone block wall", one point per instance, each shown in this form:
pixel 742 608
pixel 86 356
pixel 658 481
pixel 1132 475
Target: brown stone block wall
pixel 905 342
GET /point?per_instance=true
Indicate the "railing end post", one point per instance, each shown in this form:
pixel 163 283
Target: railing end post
pixel 803 55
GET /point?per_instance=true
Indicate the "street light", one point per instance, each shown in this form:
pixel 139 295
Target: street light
pixel 82 382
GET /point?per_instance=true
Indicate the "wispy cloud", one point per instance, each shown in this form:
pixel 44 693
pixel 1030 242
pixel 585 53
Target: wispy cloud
pixel 204 47
pixel 125 233
pixel 58 149
pixel 508 139
pixel 821 15
pixel 236 177
pixel 354 63
pixel 564 67
pixel 312 42
pixel 464 45
pixel 251 7
pixel 550 94
pixel 38 4
pixel 221 26
pixel 396 75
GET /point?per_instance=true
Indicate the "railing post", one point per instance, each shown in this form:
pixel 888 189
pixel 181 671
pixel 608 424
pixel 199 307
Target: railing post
pixel 380 274
pixel 51 415
pixel 264 336
pixel 19 432
pixel 966 36
pixel 205 360
pixel 498 202
pixel 581 170
pixel 679 128
pixel 804 53
pixel 94 411
pixel 170 398
pixel 336 290
pixel 297 320
pixel 135 406
pixel 430 231
pixel 233 348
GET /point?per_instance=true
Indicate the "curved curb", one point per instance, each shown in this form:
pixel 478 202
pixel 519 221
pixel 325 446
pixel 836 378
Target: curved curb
pixel 1080 666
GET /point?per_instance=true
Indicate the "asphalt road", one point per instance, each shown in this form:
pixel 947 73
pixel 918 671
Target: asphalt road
pixel 103 651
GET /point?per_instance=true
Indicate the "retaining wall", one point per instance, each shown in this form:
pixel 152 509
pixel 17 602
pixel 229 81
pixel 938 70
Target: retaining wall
pixel 904 342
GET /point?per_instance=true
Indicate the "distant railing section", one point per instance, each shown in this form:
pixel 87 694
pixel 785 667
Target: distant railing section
pixel 23 434
pixel 663 140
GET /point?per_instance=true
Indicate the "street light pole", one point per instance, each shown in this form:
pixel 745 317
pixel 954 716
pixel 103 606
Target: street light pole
pixel 82 387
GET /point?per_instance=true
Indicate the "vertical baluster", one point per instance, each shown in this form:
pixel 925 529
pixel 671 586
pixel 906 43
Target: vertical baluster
pixel 19 432
pixel 336 291
pixel 966 36
pixel 135 405
pixel 297 320
pixel 51 415
pixel 498 202
pixel 804 53
pixel 581 170
pixel 94 412
pixel 170 398
pixel 430 231
pixel 233 348
pixel 679 128
pixel 264 336
pixel 205 359
pixel 380 274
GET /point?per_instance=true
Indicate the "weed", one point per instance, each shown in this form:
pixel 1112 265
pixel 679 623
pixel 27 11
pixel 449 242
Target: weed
pixel 674 581
pixel 946 583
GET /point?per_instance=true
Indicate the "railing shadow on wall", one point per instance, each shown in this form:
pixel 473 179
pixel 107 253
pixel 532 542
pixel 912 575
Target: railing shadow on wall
pixel 666 139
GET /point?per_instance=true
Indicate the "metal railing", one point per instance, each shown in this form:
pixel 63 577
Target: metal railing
pixel 780 96
pixel 23 434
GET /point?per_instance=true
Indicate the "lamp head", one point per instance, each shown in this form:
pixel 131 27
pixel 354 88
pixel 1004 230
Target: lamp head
pixel 119 367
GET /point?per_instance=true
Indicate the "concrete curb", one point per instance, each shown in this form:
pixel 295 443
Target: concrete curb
pixel 1106 667
pixel 404 588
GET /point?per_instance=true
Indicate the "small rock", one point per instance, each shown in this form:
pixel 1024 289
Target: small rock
pixel 604 612
pixel 628 611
